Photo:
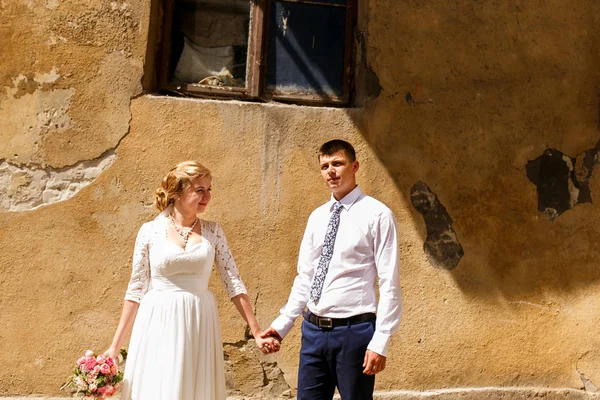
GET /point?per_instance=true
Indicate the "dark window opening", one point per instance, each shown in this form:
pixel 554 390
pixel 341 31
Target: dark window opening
pixel 286 50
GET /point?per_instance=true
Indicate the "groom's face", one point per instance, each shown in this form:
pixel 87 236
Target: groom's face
pixel 339 173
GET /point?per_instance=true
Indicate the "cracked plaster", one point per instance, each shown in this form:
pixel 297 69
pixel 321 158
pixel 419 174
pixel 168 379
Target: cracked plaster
pixel 494 80
pixel 562 182
pixel 442 248
pixel 30 113
pixel 248 371
pixel 25 188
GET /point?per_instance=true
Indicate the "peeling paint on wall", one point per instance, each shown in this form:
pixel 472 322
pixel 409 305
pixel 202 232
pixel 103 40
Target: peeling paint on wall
pixel 562 181
pixel 24 188
pixel 49 77
pixel 52 4
pixel 112 26
pixel 53 39
pixel 441 246
pixel 29 113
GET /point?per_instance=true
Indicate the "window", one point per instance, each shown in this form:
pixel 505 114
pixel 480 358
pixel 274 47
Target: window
pixel 287 50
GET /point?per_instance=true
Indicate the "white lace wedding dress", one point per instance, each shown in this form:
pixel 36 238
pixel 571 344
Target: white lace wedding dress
pixel 175 351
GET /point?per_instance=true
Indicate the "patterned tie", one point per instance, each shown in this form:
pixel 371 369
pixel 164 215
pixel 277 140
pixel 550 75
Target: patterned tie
pixel 326 253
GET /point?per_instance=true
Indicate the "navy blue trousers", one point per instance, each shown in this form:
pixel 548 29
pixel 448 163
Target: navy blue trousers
pixel 334 357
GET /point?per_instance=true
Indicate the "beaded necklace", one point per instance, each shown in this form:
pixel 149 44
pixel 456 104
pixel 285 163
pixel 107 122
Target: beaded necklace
pixel 185 233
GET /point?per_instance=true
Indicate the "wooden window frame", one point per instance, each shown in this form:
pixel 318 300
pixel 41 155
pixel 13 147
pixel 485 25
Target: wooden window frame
pixel 256 61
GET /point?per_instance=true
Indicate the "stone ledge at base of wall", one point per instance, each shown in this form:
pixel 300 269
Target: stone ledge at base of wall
pixel 487 393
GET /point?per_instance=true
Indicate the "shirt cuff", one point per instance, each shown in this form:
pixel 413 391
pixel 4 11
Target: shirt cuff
pixel 282 325
pixel 379 343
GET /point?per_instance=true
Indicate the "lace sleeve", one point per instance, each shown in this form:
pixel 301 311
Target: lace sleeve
pixel 226 265
pixel 140 276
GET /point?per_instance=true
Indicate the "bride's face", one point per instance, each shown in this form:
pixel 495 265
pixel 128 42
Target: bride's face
pixel 196 197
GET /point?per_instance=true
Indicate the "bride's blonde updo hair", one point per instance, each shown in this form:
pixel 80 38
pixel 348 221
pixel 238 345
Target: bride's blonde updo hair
pixel 177 181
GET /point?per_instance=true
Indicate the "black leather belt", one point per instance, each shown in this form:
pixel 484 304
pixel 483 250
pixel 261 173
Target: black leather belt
pixel 324 322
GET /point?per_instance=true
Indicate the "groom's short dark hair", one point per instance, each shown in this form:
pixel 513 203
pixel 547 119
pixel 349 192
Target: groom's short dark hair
pixel 333 146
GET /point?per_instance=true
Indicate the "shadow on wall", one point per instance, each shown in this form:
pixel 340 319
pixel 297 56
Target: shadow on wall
pixel 493 243
pixel 448 124
pixel 468 150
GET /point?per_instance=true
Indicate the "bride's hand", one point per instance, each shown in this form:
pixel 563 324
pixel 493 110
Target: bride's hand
pixel 267 345
pixel 112 353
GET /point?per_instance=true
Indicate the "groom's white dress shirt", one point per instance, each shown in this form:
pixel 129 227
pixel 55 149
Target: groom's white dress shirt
pixel 366 248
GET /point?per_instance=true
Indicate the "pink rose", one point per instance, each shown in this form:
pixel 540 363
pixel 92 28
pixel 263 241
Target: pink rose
pixel 117 387
pixel 80 360
pixel 114 369
pixel 90 363
pixel 81 383
pixel 101 359
pixel 109 390
pixel 110 361
pixel 105 369
pixel 93 387
pixel 89 353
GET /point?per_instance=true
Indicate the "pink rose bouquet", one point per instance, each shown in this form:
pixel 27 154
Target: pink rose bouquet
pixel 95 376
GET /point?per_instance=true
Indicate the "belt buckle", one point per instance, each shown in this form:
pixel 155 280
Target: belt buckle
pixel 323 322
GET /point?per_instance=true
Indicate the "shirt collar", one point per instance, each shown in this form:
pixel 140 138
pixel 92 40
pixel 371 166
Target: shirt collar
pixel 348 200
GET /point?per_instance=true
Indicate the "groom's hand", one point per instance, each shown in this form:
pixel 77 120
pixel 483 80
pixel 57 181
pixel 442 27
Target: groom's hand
pixel 374 363
pixel 271 332
pixel 267 345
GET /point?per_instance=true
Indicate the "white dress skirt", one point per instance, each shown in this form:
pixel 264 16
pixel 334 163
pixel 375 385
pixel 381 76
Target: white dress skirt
pixel 176 351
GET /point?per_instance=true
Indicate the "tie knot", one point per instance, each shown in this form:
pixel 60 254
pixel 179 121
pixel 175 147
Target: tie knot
pixel 337 207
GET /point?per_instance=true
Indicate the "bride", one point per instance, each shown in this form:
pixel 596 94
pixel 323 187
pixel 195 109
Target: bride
pixel 175 350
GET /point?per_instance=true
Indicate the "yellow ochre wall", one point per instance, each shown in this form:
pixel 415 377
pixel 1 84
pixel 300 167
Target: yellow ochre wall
pixel 460 96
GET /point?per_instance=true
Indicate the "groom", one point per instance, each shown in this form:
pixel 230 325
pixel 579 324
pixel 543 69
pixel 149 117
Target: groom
pixel 348 243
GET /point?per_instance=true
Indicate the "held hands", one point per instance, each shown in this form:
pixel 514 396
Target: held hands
pixel 267 345
pixel 268 341
pixel 374 363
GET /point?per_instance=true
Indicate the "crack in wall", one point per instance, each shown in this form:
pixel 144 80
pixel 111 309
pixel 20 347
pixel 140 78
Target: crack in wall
pixel 250 372
pixel 24 188
pixel 562 181
pixel 588 385
pixel 371 80
pixel 441 246
pixel 28 186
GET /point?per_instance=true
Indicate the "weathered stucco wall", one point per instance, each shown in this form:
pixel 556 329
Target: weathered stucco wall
pixel 463 100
